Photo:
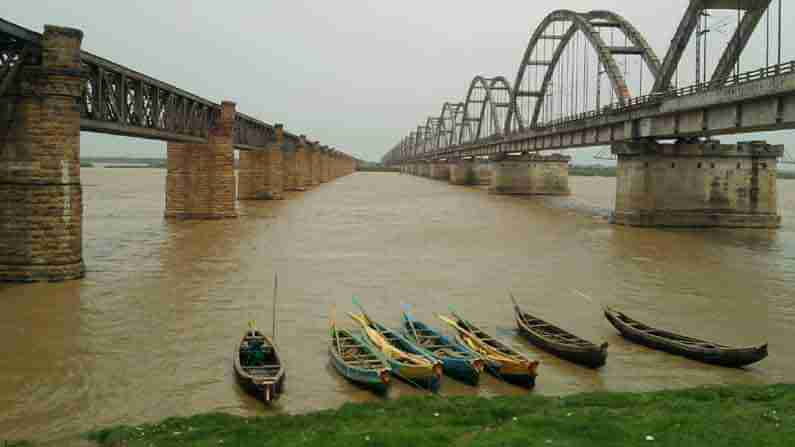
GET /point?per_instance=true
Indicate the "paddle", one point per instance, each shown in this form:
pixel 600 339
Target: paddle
pixel 515 304
pixel 275 292
pixel 590 299
pixel 334 330
pixel 355 301
pixel 409 319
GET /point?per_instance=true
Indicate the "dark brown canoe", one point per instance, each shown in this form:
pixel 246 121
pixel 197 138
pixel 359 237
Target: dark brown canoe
pixel 559 342
pixel 691 348
pixel 258 367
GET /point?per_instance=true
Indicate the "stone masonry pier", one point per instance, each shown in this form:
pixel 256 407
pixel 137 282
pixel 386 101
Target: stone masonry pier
pixel 41 199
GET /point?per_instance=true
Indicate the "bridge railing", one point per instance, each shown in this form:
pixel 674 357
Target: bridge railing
pixel 654 98
pixel 632 103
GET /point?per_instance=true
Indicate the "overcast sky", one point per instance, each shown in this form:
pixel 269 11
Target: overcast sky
pixel 354 74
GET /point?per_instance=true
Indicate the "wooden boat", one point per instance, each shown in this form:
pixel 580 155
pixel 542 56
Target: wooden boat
pixel 458 361
pixel 258 367
pixel 358 361
pixel 558 341
pixel 502 360
pixel 692 348
pixel 407 361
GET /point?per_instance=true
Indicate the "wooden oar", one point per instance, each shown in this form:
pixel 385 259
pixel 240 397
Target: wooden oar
pixel 275 292
pixel 515 304
pixel 334 329
pixel 408 318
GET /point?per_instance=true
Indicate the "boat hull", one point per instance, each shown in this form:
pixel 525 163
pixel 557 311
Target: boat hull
pixel 406 360
pixel 370 379
pixel 259 391
pixel 722 356
pixel 595 357
pixel 416 375
pixel 461 369
pixel 265 381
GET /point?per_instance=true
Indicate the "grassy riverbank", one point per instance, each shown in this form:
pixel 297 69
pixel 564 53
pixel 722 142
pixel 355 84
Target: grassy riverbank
pixel 747 416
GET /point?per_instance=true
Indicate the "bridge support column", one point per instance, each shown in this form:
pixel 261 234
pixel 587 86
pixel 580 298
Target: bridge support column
pixel 531 175
pixel 304 163
pixel 251 175
pixel 324 162
pixel 200 183
pixel 440 170
pixel 290 170
pixel 697 185
pixel 41 199
pixel 462 172
pixel 483 172
pixel 315 160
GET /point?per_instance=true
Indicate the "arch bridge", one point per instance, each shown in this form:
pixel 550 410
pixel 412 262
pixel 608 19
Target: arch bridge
pixel 591 79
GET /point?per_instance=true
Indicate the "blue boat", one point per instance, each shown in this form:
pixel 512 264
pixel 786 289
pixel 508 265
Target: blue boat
pixel 358 361
pixel 458 361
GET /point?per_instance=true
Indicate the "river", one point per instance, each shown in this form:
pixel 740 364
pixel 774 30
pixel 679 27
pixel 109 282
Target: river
pixel 149 333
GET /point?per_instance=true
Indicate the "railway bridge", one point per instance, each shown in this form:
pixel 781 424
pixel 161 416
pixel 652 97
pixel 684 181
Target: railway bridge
pixel 592 79
pixel 51 90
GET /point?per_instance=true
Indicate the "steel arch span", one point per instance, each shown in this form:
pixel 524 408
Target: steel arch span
pixel 495 109
pixel 490 97
pixel 587 24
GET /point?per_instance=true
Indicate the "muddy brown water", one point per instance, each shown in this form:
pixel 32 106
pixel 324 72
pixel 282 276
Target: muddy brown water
pixel 151 330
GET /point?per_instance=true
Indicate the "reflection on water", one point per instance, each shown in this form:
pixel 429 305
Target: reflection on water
pixel 150 332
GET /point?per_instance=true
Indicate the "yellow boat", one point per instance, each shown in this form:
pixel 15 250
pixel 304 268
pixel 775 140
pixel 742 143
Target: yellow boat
pixel 407 361
pixel 502 360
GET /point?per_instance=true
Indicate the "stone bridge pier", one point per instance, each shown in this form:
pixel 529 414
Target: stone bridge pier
pixel 702 184
pixel 41 197
pixel 200 182
pixel 260 176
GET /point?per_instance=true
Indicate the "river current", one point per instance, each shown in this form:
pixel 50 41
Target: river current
pixel 150 332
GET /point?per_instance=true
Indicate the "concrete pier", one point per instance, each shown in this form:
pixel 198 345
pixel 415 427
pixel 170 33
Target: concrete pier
pixel 41 197
pixel 697 185
pixel 531 174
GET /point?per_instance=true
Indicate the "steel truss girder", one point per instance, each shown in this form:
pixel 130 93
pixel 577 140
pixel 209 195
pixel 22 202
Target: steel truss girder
pixel 120 101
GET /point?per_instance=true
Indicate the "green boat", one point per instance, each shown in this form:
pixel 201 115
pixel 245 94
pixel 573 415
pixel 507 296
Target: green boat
pixel 358 361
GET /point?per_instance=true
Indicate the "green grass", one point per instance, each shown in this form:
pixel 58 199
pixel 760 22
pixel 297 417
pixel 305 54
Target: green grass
pixel 723 416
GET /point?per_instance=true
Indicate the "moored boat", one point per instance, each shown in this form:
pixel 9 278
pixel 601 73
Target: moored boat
pixel 358 361
pixel 458 361
pixel 558 341
pixel 258 367
pixel 692 348
pixel 407 361
pixel 502 360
